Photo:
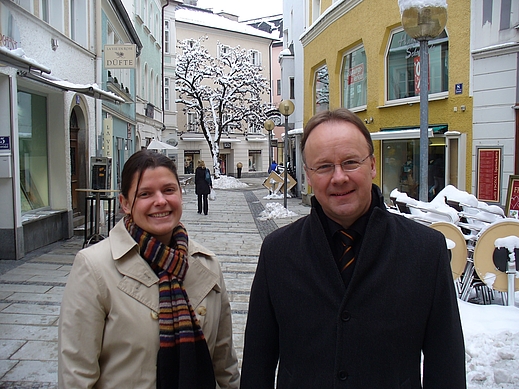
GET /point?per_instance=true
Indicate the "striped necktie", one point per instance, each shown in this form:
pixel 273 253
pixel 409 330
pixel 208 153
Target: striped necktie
pixel 346 260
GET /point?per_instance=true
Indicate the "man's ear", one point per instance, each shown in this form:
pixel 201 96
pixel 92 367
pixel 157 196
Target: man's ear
pixel 125 205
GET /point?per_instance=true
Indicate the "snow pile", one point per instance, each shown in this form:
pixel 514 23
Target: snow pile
pixel 275 211
pixel 492 345
pixel 228 182
pixel 276 196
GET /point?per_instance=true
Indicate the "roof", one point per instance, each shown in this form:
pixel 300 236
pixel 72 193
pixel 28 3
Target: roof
pixel 208 19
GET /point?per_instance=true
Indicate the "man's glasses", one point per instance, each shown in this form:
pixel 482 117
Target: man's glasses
pixel 349 165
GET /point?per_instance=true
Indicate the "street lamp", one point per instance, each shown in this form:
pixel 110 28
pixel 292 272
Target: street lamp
pixel 269 126
pixel 423 22
pixel 286 107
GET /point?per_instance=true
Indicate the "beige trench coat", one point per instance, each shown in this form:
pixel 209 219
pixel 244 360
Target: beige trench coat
pixel 109 330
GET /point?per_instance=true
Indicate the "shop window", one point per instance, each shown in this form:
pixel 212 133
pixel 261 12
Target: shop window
pixel 32 133
pixel 354 79
pixel 401 167
pixel 403 66
pixel 322 90
pixel 254 160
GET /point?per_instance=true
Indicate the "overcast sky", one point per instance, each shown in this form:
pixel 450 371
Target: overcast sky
pixel 245 9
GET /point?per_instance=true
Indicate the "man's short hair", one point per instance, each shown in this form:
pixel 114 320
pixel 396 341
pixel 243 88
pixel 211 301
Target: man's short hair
pixel 337 115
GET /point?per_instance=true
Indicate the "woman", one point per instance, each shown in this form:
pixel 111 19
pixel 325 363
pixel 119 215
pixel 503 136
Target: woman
pixel 203 185
pixel 126 320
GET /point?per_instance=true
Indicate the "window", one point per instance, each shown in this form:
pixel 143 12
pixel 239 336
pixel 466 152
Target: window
pixel 52 13
pixel 506 13
pixel 278 87
pixel 34 175
pixel 78 26
pixel 354 79
pixel 316 9
pixel 255 57
pixel 26 4
pixel 223 50
pixel 487 11
pixel 192 121
pixel 322 90
pixel 166 94
pixel 166 36
pixel 292 87
pixel 403 66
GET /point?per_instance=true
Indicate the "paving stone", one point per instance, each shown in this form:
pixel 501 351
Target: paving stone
pixel 37 351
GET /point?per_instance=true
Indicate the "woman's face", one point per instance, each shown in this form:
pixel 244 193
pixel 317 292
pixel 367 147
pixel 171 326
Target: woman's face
pixel 158 202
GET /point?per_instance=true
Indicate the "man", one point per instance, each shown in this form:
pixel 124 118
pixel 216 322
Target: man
pixel 351 316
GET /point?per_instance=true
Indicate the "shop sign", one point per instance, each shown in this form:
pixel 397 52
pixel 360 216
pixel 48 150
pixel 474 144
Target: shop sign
pixel 489 174
pixel 119 56
pixel 512 199
pixel 9 34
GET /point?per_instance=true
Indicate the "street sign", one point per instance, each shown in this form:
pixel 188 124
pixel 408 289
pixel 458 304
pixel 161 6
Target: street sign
pixel 5 143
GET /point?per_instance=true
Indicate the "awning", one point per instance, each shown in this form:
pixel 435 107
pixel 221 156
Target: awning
pixel 158 145
pixel 409 133
pixel 17 59
pixel 256 139
pixel 91 90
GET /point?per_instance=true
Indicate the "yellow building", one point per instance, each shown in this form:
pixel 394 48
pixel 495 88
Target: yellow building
pixel 357 55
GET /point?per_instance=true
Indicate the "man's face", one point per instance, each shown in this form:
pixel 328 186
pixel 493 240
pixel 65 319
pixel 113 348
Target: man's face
pixel 344 196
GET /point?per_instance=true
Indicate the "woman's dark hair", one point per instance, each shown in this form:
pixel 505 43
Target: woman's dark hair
pixel 138 163
pixel 337 115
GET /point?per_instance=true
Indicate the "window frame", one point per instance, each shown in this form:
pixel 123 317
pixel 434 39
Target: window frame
pixel 346 91
pixel 412 49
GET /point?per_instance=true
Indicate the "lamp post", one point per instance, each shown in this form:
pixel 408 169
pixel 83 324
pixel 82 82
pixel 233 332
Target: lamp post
pixel 269 126
pixel 286 107
pixel 423 22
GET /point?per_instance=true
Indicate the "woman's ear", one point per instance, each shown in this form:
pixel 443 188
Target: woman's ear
pixel 125 205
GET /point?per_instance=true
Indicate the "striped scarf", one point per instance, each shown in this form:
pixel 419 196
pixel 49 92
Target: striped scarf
pixel 183 361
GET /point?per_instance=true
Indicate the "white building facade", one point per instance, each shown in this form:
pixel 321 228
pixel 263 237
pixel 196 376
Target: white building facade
pixel 51 86
pixel 248 146
pixel 495 56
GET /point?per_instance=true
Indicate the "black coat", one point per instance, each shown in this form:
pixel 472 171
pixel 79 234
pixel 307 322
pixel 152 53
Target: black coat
pixel 202 187
pixel 400 302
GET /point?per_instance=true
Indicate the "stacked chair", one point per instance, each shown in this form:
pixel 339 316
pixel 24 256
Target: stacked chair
pixel 482 242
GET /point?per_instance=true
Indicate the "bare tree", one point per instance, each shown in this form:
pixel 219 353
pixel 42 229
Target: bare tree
pixel 224 92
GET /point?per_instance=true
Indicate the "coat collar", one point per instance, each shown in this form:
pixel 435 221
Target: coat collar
pixel 125 252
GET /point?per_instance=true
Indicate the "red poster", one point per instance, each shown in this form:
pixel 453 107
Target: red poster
pixel 489 172
pixel 512 203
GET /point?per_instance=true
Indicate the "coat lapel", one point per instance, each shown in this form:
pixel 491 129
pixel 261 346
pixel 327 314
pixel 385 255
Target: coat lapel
pixel 138 278
pixel 199 279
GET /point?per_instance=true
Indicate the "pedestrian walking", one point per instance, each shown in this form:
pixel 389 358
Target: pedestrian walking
pixel 147 307
pixel 360 294
pixel 239 166
pixel 273 167
pixel 203 186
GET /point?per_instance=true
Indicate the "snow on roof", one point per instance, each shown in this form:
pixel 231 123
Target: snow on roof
pixel 211 20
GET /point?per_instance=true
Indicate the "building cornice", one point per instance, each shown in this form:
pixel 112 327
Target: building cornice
pixel 492 51
pixel 330 16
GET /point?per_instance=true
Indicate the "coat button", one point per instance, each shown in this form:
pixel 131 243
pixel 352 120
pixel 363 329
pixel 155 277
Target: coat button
pixel 154 315
pixel 201 310
pixel 345 316
pixel 342 375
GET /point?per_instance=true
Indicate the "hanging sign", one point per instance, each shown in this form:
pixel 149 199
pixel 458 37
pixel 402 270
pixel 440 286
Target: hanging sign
pixel 120 56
